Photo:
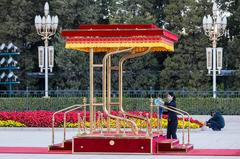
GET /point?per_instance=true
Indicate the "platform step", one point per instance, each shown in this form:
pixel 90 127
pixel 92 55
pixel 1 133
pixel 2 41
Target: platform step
pixel 172 145
pixel 166 144
pixel 182 148
pixel 55 147
pixel 67 145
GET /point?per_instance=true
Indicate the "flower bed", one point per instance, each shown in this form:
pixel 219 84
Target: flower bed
pixel 11 123
pixel 44 119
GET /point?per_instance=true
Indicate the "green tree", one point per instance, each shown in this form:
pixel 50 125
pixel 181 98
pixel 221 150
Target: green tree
pixel 186 67
pixel 132 11
pixel 17 27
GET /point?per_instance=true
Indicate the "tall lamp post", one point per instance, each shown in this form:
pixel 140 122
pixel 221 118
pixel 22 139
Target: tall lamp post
pixel 214 27
pixel 46 27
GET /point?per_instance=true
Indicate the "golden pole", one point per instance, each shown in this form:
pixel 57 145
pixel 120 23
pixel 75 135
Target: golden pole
pixel 104 86
pixel 98 120
pixel 140 114
pixel 79 124
pixel 151 107
pixel 147 126
pixel 94 112
pixel 91 90
pixel 84 113
pixel 101 129
pixel 109 90
pixel 120 74
pixel 64 127
pixel 117 126
pixel 53 122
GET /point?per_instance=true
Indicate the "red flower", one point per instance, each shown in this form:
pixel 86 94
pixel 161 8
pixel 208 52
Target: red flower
pixel 43 118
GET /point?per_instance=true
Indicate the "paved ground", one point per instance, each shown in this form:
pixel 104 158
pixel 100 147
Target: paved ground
pixel 35 137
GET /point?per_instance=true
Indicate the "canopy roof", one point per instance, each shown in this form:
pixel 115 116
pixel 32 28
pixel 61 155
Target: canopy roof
pixel 106 38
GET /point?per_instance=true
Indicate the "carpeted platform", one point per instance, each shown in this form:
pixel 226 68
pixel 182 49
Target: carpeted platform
pixel 195 152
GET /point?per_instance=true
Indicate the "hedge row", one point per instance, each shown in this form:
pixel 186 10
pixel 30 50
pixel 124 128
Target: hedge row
pixel 194 105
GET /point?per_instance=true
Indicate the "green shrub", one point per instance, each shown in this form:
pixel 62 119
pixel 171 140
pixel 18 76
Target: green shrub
pixel 193 105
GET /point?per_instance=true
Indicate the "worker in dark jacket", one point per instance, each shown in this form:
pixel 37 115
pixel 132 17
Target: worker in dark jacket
pixel 172 117
pixel 216 122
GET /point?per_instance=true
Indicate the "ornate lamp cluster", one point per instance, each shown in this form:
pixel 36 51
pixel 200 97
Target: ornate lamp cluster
pixel 215 25
pixel 46 27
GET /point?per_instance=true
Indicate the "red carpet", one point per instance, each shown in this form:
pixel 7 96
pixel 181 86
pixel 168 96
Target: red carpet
pixel 207 152
pixel 195 152
pixel 31 150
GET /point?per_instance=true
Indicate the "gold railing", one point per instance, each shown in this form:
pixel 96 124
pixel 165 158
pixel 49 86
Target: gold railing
pixel 184 112
pixel 68 109
pixel 104 86
pixel 65 118
pixel 178 111
pixel 120 87
pixel 124 118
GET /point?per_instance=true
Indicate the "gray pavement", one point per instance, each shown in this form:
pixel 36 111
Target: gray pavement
pixel 228 138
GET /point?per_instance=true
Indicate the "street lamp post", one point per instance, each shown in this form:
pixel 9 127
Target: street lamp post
pixel 46 27
pixel 214 27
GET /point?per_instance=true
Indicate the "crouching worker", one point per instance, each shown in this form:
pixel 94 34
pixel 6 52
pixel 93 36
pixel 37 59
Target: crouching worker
pixel 216 122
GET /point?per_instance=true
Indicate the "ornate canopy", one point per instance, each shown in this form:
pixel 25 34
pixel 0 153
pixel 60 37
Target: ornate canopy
pixel 110 37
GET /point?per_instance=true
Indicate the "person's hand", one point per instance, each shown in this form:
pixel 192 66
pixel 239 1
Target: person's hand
pixel 159 102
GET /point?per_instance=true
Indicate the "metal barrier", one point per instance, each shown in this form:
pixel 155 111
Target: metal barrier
pixel 179 111
pixel 73 107
pixel 184 112
pixel 127 93
pixel 99 120
pixel 65 122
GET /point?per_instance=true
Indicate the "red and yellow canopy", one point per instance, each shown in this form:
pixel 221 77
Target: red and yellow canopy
pixel 106 38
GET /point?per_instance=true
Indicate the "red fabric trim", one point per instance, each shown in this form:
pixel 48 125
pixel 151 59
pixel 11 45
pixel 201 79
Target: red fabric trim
pixel 117 39
pixel 117 26
pixel 121 33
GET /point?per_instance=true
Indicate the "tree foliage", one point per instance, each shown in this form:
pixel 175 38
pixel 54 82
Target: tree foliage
pixel 183 69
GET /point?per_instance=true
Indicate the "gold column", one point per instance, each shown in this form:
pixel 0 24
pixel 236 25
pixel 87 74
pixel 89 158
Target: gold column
pixel 85 113
pixel 79 124
pixel 120 85
pixel 94 112
pixel 120 74
pixel 91 85
pixel 104 89
pixel 109 90
pixel 151 107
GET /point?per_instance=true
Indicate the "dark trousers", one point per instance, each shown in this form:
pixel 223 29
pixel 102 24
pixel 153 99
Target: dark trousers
pixel 214 125
pixel 172 129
